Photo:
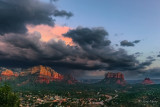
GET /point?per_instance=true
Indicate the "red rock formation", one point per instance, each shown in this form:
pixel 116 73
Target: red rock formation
pixel 39 74
pixel 42 79
pixel 114 78
pixel 43 74
pixel 8 74
pixel 114 75
pixel 147 81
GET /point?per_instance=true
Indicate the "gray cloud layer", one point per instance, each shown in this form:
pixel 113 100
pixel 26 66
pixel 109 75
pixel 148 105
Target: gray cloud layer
pixel 127 43
pixel 15 14
pixel 92 52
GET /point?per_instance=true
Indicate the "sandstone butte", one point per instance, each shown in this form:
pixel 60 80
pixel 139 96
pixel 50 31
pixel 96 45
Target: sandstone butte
pixel 39 74
pixel 8 74
pixel 147 81
pixel 44 74
pixel 115 78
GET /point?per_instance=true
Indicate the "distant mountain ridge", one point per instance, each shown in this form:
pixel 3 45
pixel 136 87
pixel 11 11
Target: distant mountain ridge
pixel 44 74
pixel 37 74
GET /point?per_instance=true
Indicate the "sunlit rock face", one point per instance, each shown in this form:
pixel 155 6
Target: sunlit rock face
pixel 43 74
pixel 147 81
pixel 37 74
pixel 8 74
pixel 114 78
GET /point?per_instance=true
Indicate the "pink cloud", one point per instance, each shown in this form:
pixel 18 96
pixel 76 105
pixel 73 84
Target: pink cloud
pixel 48 33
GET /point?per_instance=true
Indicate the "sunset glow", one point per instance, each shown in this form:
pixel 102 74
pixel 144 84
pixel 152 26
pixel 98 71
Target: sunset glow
pixel 48 33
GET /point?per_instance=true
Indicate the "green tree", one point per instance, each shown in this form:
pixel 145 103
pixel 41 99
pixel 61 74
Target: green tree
pixel 7 97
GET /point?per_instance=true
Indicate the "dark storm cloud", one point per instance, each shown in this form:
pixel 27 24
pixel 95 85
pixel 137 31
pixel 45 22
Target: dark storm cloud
pixel 92 51
pixel 141 72
pixel 158 55
pixel 137 54
pixel 127 43
pixel 153 72
pixel 148 62
pixel 89 38
pixel 15 14
pixel 136 41
pixel 29 50
pixel 150 57
pixel 95 44
pixel 62 13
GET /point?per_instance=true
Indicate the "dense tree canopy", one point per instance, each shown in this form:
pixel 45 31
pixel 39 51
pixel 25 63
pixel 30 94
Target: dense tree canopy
pixel 7 97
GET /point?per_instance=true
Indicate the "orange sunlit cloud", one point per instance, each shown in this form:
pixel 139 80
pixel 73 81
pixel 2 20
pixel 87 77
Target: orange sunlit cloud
pixel 48 33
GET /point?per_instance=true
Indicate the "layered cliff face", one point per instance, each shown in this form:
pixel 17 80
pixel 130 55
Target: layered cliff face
pixel 147 81
pixel 114 78
pixel 42 74
pixel 37 74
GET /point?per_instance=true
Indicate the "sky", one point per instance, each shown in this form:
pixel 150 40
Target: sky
pixel 86 38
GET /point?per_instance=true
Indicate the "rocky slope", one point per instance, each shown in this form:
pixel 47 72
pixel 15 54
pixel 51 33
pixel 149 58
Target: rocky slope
pixel 37 74
pixel 42 74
